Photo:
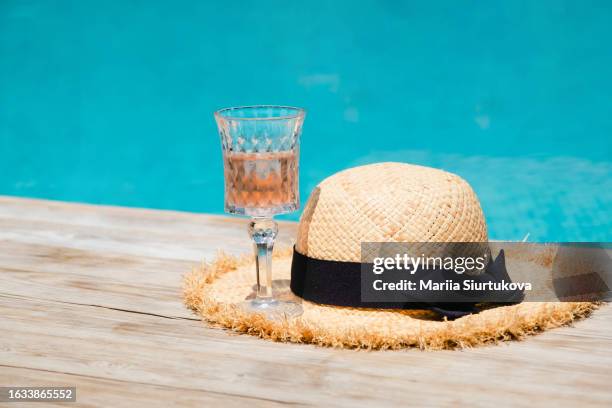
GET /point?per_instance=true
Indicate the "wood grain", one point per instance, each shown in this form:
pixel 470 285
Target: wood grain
pixel 90 297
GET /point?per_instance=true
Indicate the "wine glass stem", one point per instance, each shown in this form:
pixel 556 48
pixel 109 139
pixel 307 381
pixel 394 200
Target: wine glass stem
pixel 263 231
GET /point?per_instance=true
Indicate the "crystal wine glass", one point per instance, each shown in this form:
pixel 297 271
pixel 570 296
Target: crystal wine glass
pixel 261 164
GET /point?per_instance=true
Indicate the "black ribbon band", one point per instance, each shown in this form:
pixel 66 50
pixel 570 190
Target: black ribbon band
pixel 339 284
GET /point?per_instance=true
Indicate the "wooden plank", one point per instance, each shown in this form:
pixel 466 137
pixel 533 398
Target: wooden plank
pixel 169 243
pixel 186 225
pixel 111 257
pixel 92 294
pixel 98 392
pixel 147 285
pixel 132 347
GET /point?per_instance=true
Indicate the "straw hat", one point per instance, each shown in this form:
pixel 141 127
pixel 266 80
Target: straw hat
pixel 384 202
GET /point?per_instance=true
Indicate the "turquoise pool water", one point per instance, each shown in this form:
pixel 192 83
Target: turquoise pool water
pixel 111 102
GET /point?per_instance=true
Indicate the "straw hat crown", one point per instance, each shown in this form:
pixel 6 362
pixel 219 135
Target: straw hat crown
pixel 387 202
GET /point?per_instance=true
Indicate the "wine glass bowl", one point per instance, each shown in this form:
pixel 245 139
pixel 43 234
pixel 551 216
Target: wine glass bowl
pixel 261 158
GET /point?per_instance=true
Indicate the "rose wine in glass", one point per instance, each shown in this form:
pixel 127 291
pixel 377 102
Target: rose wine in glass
pixel 261 166
pixel 263 181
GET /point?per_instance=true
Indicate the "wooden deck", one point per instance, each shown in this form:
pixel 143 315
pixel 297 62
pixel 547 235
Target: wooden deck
pixel 90 297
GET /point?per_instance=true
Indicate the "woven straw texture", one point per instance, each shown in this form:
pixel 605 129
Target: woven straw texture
pixel 385 202
pixel 213 289
pixel 388 202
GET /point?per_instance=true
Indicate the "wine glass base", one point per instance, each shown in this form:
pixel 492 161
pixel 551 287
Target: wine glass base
pixel 273 309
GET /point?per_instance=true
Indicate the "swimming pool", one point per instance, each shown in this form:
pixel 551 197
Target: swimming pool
pixel 114 104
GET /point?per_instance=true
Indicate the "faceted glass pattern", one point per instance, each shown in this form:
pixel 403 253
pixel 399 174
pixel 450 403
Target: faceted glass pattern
pixel 261 158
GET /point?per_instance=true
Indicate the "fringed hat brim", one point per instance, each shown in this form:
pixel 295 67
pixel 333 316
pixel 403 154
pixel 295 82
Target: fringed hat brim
pixel 214 289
